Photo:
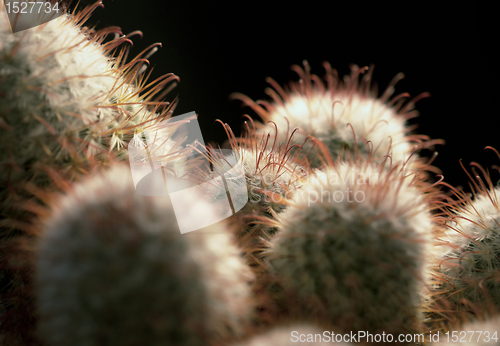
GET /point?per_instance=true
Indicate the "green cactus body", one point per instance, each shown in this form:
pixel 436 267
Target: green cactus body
pixel 351 250
pixel 113 269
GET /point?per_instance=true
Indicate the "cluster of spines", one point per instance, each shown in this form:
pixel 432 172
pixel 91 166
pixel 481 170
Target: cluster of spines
pixel 467 264
pixel 322 109
pixel 271 177
pixel 72 129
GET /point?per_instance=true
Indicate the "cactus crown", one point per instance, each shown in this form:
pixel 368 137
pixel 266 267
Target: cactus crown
pixel 68 98
pixel 323 110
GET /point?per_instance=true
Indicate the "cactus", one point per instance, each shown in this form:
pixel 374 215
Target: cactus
pixel 331 112
pixel 351 250
pixel 69 103
pixel 113 269
pixel 468 267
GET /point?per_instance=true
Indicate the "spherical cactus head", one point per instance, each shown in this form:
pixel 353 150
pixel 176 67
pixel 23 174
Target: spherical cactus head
pixel 330 110
pixel 352 248
pixel 68 100
pixel 113 268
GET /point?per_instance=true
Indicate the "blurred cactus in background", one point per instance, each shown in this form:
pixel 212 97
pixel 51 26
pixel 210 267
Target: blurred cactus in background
pixel 113 269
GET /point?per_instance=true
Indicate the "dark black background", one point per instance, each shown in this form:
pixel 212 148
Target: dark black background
pixel 219 48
